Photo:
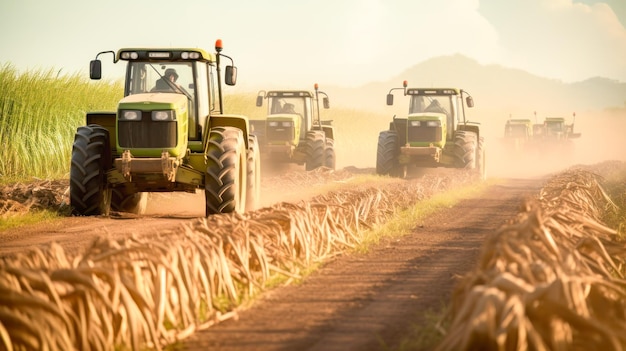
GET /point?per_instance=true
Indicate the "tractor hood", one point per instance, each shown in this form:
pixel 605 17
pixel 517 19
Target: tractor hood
pixel 283 127
pixel 151 123
pixel 153 101
pixel 426 128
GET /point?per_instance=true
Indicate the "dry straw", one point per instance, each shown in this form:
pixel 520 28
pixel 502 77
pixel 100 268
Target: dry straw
pixel 552 279
pixel 152 291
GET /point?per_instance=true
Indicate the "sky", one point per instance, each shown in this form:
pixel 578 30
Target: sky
pixel 340 42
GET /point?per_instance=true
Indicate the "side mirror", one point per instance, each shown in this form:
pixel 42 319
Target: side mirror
pixel 389 99
pixel 259 101
pixel 469 101
pixel 326 102
pixel 230 77
pixel 95 69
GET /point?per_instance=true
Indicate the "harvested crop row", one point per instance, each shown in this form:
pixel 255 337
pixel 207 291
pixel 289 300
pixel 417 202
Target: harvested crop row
pixel 552 279
pixel 152 291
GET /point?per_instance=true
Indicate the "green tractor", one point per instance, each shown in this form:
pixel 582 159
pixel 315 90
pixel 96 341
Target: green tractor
pixel 293 131
pixel 555 138
pixel 434 134
pixel 518 134
pixel 169 134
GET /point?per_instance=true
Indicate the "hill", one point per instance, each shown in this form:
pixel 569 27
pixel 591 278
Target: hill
pixel 494 88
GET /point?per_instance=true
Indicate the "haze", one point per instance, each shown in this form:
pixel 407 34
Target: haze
pixel 356 44
pixel 345 43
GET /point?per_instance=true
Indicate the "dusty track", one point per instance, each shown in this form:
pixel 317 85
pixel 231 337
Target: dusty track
pixel 369 301
pixel 356 302
pixel 165 211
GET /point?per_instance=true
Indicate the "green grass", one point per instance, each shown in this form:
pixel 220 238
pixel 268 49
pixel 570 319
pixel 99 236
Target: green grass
pixel 36 217
pixel 39 114
pixel 404 222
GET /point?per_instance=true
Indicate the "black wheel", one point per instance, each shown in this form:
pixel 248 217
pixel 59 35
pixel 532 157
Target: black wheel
pixel 91 158
pixel 225 178
pixel 465 145
pixel 481 159
pixel 123 200
pixel 253 194
pixel 330 160
pixel 315 145
pixel 387 153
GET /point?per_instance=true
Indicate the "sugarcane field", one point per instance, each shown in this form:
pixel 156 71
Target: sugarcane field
pixel 328 176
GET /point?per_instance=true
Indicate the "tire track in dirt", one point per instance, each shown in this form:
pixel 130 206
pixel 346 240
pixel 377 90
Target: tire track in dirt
pixel 369 301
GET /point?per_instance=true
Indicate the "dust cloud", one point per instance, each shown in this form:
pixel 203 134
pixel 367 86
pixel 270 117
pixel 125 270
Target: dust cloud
pixel 602 139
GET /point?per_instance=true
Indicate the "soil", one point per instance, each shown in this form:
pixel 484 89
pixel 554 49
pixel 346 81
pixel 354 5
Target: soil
pixel 371 301
pixel 358 301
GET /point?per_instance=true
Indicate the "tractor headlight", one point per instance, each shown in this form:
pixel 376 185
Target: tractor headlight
pixel 272 124
pixel 433 124
pixel 167 115
pixel 129 55
pixel 416 123
pixel 130 115
pixel 287 124
pixel 190 55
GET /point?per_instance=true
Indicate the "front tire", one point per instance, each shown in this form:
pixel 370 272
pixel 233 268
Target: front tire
pixel 124 201
pixel 91 158
pixel 465 145
pixel 387 154
pixel 330 160
pixel 225 178
pixel 314 150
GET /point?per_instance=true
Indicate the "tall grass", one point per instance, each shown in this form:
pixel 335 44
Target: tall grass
pixel 39 114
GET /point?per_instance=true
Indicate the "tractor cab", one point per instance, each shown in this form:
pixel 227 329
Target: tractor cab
pixel 292 131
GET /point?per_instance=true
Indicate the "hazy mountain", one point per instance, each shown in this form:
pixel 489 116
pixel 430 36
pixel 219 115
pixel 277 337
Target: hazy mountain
pixel 493 87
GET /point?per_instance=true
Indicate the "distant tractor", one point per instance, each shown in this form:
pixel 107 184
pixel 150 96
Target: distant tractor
pixel 293 131
pixel 556 129
pixel 556 136
pixel 518 134
pixel 434 134
pixel 168 134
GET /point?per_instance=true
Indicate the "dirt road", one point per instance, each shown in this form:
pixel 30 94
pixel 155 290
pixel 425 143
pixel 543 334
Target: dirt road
pixel 370 301
pixel 356 302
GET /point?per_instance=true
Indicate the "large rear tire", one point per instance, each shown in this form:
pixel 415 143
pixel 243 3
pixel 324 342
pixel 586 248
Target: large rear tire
pixel 387 153
pixel 226 174
pixel 253 194
pixel 315 145
pixel 91 158
pixel 330 160
pixel 465 145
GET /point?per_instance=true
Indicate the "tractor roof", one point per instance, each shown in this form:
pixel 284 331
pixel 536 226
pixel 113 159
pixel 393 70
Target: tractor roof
pixel 555 119
pixel 433 91
pixel 289 93
pixel 165 54
pixel 518 121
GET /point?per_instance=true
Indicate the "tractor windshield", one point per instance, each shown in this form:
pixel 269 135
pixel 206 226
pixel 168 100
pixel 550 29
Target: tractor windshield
pixel 516 131
pixel 431 103
pixel 168 77
pixel 286 105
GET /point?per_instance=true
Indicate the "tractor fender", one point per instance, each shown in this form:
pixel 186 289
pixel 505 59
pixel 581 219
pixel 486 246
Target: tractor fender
pixel 329 131
pixel 238 121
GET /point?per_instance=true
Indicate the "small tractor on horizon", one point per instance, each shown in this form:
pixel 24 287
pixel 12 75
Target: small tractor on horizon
pixel 435 133
pixel 168 134
pixel 518 136
pixel 556 136
pixel 293 131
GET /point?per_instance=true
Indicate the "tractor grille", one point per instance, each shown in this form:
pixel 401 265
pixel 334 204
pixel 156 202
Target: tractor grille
pixel 147 133
pixel 280 134
pixel 424 134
